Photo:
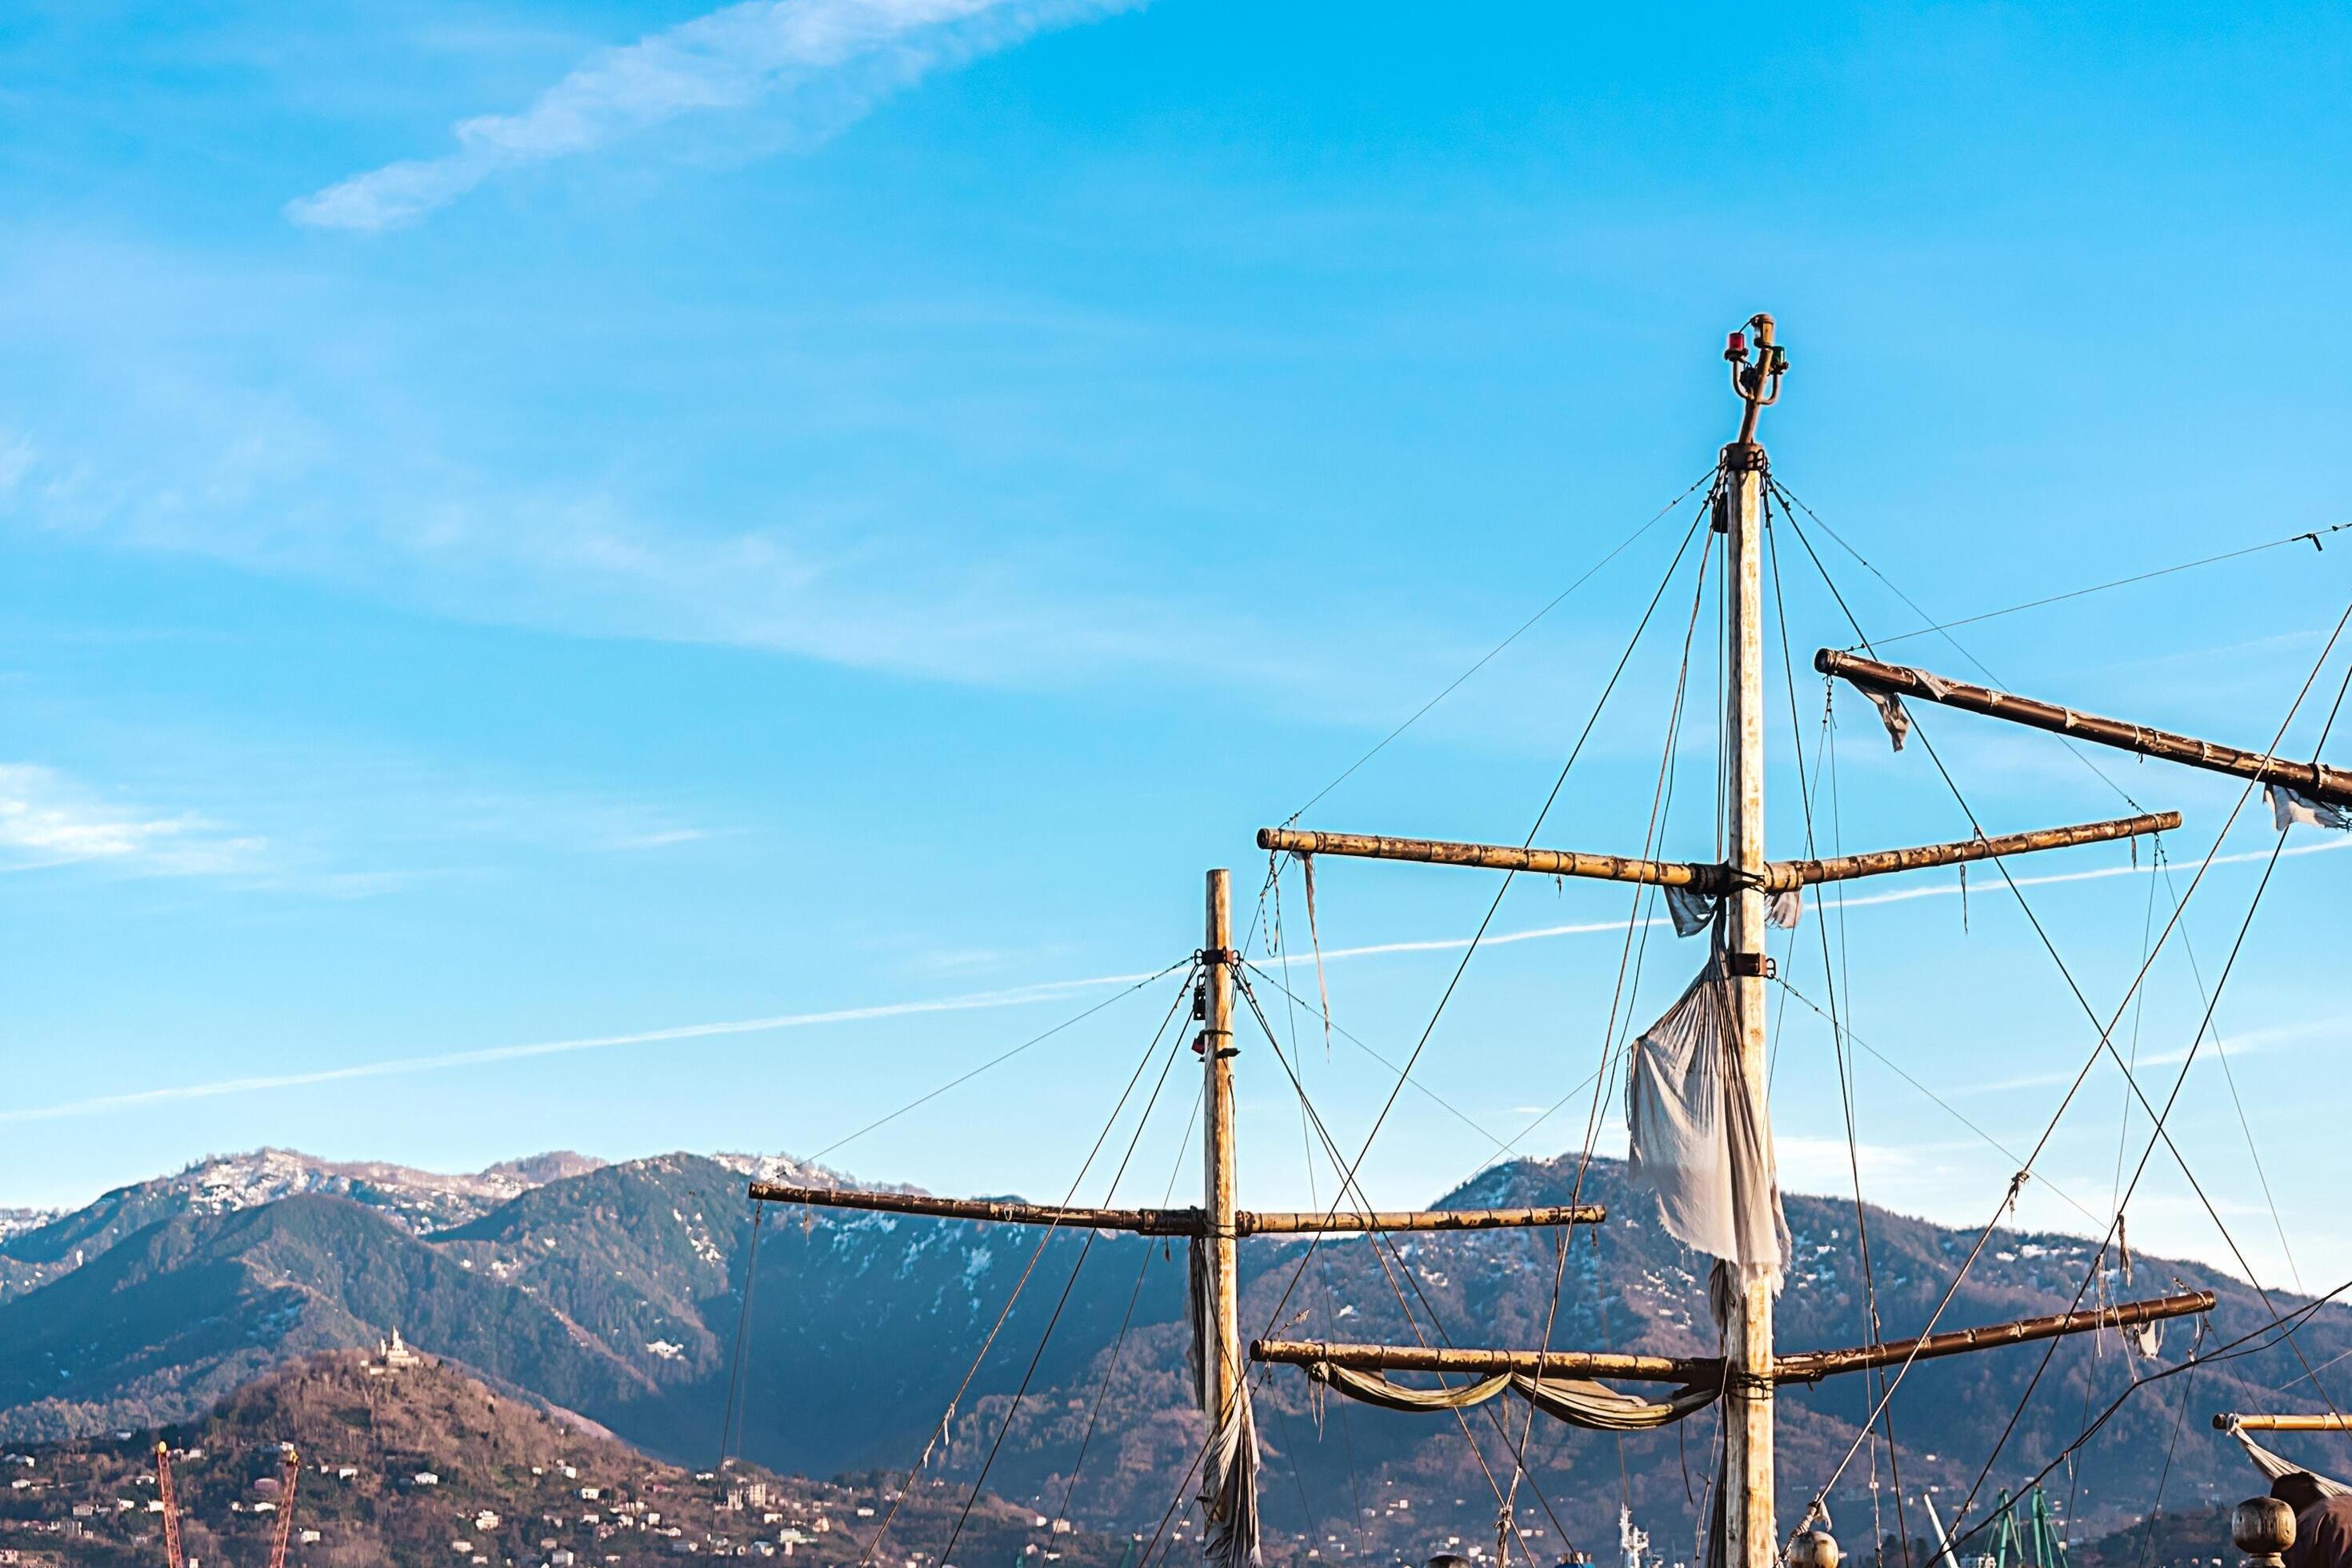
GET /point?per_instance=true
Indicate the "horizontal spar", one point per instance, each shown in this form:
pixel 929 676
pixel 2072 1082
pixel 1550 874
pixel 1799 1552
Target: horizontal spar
pixel 1172 1222
pixel 2318 781
pixel 1486 1364
pixel 2225 1422
pixel 1782 874
pixel 1808 1365
pixel 1144 1222
pixel 1252 1224
pixel 1496 857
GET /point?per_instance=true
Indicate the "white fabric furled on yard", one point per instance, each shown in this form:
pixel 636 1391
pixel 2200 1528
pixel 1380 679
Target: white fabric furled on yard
pixel 2289 806
pixel 1699 1135
pixel 1578 1400
pixel 2274 1465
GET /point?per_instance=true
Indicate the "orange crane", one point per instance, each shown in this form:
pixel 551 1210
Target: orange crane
pixel 172 1553
pixel 290 1470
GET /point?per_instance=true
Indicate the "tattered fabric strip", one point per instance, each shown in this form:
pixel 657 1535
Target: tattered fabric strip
pixel 1231 1490
pixel 1578 1400
pixel 2289 805
pixel 1693 911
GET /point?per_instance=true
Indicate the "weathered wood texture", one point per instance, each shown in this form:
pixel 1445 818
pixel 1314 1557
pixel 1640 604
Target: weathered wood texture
pixel 1486 1364
pixel 1496 857
pixel 1808 1365
pixel 2316 780
pixel 1252 1224
pixel 1224 1372
pixel 1177 1221
pixel 2223 1423
pixel 1877 862
pixel 1144 1222
pixel 1776 875
pixel 1805 1367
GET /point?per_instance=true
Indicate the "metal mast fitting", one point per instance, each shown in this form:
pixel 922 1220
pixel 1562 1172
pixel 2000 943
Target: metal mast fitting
pixel 2331 786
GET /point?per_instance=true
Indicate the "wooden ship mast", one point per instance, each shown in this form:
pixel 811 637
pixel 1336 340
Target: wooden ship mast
pixel 1744 1376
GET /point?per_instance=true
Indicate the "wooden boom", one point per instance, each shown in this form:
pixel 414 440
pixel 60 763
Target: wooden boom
pixel 1807 1366
pixel 2317 780
pixel 1173 1221
pixel 1778 874
pixel 1144 1222
pixel 1486 1364
pixel 1315 1222
pixel 2227 1420
pixel 1844 867
pixel 1497 857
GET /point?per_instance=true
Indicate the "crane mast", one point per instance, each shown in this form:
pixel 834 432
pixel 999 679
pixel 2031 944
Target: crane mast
pixel 289 1471
pixel 172 1553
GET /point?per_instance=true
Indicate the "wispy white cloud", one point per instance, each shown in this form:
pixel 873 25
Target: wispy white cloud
pixel 819 64
pixel 46 819
pixel 970 1002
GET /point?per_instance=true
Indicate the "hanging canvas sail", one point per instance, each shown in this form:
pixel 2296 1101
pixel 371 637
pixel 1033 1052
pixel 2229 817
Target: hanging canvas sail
pixel 1698 1135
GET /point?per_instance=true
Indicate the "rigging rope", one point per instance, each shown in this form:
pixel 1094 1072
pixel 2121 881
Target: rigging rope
pixel 1488 657
pixel 923 1100
pixel 946 1553
pixel 2106 1043
pixel 2311 535
pixel 940 1433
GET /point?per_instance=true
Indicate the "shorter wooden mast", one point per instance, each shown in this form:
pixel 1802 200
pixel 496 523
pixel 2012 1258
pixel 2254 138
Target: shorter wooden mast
pixel 1216 1224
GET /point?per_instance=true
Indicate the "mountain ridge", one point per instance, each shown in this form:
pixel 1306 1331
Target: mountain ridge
pixel 616 1291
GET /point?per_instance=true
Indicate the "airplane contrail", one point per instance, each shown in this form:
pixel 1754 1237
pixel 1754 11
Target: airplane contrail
pixel 1013 997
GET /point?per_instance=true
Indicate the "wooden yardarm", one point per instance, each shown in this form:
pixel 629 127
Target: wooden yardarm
pixel 1217 1225
pixel 1749 1370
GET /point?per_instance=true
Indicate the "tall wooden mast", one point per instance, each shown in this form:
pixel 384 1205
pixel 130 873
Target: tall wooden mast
pixel 1751 1536
pixel 1221 1375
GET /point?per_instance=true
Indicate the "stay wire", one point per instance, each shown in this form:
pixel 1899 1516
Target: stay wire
pixel 1874 1326
pixel 2231 1351
pixel 2106 1043
pixel 742 1328
pixel 1798 502
pixel 1430 1030
pixel 1118 1343
pixel 940 1433
pixel 2159 1119
pixel 1012 1410
pixel 1524 628
pixel 1380 1242
pixel 2313 536
pixel 1405 1073
pixel 1000 1060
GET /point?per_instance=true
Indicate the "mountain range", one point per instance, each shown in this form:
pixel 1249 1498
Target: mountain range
pixel 615 1291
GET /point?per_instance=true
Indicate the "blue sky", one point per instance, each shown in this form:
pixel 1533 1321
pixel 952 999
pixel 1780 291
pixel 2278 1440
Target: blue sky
pixel 523 525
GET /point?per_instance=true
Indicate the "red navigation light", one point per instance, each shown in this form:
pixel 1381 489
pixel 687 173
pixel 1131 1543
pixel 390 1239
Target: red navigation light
pixel 1736 346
